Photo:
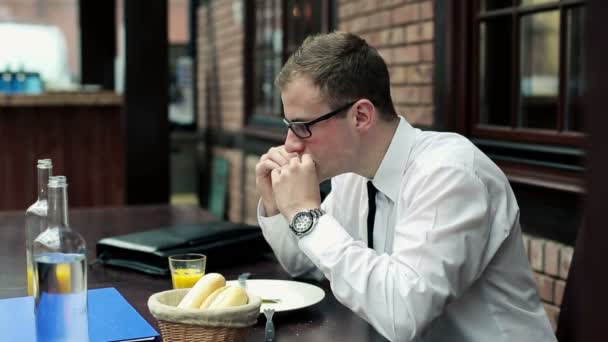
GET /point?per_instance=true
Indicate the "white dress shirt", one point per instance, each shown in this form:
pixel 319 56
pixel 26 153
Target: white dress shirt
pixel 448 262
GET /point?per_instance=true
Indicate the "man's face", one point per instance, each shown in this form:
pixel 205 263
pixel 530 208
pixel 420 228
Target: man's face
pixel 332 143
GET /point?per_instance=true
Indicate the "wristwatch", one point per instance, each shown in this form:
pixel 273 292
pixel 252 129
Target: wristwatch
pixel 304 221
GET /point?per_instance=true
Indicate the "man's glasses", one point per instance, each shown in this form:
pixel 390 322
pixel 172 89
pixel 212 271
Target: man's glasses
pixel 302 128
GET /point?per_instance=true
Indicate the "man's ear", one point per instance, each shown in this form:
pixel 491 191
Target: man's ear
pixel 365 115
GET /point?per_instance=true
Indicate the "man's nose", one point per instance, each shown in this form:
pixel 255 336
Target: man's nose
pixel 293 144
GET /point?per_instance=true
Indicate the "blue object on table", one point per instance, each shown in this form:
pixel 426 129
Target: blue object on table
pixel 111 318
pixel 6 82
pixel 18 82
pixel 33 83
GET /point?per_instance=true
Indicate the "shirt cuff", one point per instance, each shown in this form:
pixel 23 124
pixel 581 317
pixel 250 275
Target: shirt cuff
pixel 327 238
pixel 271 223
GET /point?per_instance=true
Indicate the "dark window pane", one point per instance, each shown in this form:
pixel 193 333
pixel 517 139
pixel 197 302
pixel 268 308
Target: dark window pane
pixel 303 17
pixel 267 57
pixel 487 5
pixel 575 82
pixel 495 76
pixel 539 73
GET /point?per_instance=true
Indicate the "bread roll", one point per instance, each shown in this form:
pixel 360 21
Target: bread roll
pixel 201 290
pixel 225 297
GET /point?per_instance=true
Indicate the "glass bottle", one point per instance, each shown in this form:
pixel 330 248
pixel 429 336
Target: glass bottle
pixel 35 220
pixel 6 80
pixel 61 271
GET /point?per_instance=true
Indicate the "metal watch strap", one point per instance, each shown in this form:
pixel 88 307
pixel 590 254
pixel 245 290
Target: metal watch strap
pixel 316 213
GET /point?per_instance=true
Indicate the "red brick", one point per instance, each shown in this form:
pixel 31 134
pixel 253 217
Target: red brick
pixel 560 286
pixel 426 52
pixel 390 3
pixel 545 286
pixel 398 74
pixel 405 14
pixel 379 19
pixel 536 254
pixel 412 33
pixel 384 37
pixel 407 54
pixel 372 38
pixel 426 10
pixel 345 25
pixel 397 35
pixel 359 24
pixel 565 259
pixel 426 30
pixel 424 117
pixel 553 314
pixel 387 55
pixel 552 258
pixel 417 115
pixel 368 5
pixel 423 73
pixel 404 94
pixel 345 10
pixel 426 95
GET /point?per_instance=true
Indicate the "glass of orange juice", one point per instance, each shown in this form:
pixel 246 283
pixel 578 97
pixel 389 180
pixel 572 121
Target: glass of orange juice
pixel 187 269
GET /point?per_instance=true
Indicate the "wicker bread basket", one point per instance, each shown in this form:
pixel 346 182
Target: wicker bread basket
pixel 227 324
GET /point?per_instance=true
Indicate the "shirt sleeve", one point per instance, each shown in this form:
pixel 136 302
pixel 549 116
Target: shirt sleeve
pixel 284 243
pixel 438 245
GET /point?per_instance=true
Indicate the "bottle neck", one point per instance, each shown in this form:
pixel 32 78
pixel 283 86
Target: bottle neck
pixel 43 181
pixel 58 206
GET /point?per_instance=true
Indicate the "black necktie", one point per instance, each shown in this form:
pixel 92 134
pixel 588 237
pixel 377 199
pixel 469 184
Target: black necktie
pixel 371 214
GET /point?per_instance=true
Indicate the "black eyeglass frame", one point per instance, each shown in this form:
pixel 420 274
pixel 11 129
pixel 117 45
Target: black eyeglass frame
pixel 307 124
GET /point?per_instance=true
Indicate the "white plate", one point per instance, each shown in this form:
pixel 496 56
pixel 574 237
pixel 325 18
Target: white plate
pixel 293 295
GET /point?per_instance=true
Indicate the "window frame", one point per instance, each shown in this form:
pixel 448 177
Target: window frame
pixel 455 98
pixel 521 134
pixel 263 125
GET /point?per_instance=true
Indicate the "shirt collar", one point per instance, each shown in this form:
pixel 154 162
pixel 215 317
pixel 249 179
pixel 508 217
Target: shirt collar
pixel 395 161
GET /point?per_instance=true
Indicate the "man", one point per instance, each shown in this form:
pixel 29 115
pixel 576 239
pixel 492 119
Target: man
pixel 442 258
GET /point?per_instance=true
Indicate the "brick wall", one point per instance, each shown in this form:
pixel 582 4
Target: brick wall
pixel 550 262
pixel 220 86
pixel 220 66
pixel 402 31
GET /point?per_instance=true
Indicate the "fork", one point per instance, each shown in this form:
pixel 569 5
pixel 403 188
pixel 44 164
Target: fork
pixel 269 325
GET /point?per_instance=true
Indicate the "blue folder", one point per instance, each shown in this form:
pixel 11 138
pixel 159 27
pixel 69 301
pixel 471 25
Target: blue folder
pixel 111 318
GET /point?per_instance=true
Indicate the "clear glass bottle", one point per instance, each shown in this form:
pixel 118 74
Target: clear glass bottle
pixel 61 271
pixel 35 220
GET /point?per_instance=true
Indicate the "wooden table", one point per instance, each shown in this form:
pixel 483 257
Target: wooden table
pixel 327 321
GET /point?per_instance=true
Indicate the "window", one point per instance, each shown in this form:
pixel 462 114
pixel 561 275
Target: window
pixel 528 83
pixel 277 29
pixel 41 37
pixel 529 71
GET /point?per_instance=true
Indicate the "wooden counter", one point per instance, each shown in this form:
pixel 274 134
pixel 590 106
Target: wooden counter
pixel 81 132
pixel 103 98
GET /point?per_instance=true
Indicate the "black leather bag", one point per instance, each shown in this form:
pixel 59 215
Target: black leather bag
pixel 148 252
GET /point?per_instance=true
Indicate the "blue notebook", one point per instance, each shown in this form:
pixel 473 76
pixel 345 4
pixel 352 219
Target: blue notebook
pixel 111 318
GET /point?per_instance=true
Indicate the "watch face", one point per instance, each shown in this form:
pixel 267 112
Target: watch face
pixel 302 222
